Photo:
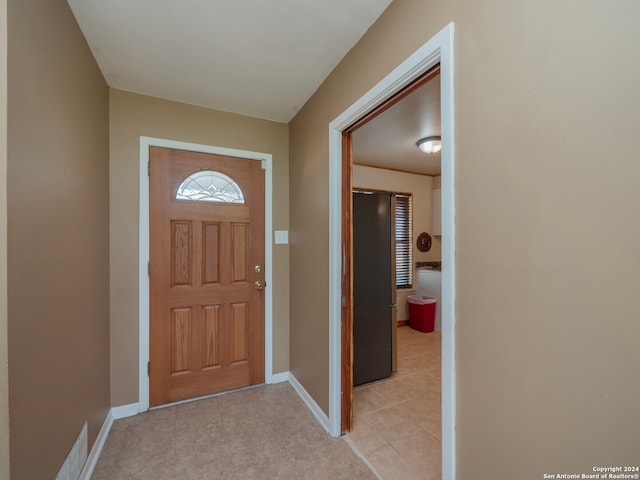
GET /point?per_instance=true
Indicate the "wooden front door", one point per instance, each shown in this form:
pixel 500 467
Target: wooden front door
pixel 206 272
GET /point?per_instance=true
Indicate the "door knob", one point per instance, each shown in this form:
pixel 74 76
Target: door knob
pixel 259 285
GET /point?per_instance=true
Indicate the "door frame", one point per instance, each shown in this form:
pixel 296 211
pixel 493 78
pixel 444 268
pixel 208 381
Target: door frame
pixel 143 251
pixel 439 49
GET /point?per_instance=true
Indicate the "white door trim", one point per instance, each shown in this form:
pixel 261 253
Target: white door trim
pixel 437 49
pixel 143 278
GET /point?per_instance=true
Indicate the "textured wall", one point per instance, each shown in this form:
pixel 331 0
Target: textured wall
pixel 400 30
pixel 58 237
pixel 548 264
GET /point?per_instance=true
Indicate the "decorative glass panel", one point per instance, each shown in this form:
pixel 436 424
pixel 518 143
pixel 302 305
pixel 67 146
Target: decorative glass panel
pixel 209 186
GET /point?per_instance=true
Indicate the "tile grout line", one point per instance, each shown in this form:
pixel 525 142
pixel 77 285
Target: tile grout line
pixel 409 466
pixel 361 456
pixel 400 379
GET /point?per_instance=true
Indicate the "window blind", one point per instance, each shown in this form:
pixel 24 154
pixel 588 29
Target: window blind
pixel 404 243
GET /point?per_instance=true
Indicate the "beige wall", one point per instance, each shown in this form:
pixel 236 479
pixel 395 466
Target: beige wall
pixel 548 259
pixel 375 55
pixel 58 234
pixel 133 116
pixel 4 364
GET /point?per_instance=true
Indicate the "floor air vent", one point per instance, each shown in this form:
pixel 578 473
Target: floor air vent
pixel 76 459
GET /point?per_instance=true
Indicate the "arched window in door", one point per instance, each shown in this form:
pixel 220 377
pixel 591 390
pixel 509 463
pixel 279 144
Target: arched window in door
pixel 209 186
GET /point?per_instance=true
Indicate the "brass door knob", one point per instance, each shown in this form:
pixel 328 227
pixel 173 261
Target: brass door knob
pixel 259 285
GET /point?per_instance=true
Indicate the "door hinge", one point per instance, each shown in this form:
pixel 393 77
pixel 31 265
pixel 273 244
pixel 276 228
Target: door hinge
pixel 148 269
pixel 148 169
pixel 148 369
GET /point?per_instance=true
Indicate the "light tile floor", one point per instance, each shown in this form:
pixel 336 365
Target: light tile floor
pixel 267 432
pixel 259 433
pixel 397 421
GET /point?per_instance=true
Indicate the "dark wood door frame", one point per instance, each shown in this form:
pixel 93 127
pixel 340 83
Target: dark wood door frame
pixel 346 420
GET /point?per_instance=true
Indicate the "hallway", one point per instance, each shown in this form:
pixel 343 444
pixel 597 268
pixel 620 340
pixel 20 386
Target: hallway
pixel 268 432
pixel 254 434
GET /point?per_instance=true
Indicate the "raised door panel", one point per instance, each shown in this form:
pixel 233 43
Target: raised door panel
pixel 211 337
pixel 181 252
pixel 239 252
pixel 239 332
pixel 181 323
pixel 211 251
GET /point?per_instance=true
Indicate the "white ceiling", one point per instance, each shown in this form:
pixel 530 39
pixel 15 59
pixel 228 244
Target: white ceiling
pixel 262 58
pixel 389 140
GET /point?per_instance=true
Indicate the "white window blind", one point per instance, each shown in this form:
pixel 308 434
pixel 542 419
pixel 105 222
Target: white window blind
pixel 404 242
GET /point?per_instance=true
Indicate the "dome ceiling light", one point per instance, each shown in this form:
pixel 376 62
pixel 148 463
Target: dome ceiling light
pixel 430 145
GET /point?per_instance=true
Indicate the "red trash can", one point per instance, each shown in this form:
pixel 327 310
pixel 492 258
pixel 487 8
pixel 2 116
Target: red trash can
pixel 422 313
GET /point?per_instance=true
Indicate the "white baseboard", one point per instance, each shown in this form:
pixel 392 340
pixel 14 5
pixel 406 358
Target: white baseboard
pixel 322 418
pixel 279 377
pixel 96 450
pixel 124 411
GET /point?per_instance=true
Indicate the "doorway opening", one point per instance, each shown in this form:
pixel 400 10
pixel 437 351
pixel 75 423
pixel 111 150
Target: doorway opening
pixel 437 51
pixel 375 325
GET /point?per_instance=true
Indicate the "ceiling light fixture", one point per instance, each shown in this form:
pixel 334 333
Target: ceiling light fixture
pixel 430 144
